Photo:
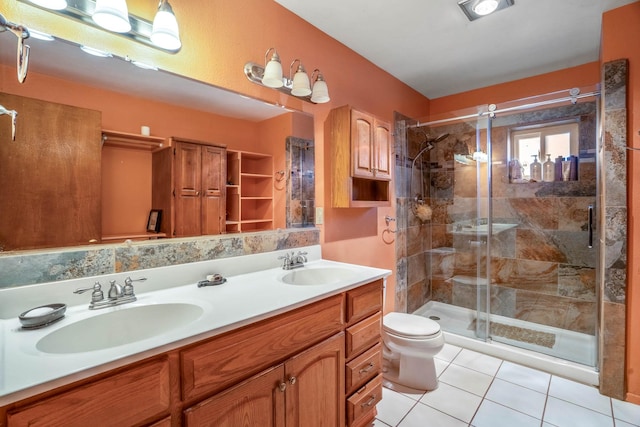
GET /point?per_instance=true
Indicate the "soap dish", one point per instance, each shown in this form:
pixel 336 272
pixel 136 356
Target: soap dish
pixel 42 316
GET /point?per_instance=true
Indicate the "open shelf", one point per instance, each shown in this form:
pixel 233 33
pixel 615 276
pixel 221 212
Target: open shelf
pixel 249 191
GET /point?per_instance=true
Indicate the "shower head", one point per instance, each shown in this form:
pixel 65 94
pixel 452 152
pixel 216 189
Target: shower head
pixel 440 138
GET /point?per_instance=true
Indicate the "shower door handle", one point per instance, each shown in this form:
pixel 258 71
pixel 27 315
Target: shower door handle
pixel 590 225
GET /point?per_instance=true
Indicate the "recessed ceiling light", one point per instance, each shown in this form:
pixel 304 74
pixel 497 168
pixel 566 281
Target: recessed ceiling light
pixel 40 35
pixel 475 9
pixel 144 66
pixel 96 52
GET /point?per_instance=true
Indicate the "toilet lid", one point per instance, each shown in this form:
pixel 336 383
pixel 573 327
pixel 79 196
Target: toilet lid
pixel 410 325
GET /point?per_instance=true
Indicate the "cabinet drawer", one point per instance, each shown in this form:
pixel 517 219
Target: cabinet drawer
pixel 363 335
pixel 363 401
pixel 225 360
pixel 364 301
pixel 363 368
pixel 126 398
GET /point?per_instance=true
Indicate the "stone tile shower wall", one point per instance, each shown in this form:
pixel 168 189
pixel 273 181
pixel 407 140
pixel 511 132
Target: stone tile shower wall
pixel 541 270
pixel 413 239
pixel 613 217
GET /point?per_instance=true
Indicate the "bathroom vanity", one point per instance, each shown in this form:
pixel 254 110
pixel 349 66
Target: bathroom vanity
pixel 270 347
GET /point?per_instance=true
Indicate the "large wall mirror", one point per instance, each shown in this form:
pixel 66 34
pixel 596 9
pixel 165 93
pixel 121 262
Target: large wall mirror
pixel 124 100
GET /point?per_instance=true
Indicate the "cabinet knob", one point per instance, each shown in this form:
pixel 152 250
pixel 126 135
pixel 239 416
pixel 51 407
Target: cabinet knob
pixel 282 387
pixel 292 380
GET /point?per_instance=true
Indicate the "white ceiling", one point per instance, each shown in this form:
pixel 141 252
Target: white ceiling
pixel 432 47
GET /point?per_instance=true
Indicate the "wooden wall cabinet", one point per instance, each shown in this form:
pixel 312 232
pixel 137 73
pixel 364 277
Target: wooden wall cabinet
pixel 189 186
pixel 249 191
pixel 361 156
pixel 317 365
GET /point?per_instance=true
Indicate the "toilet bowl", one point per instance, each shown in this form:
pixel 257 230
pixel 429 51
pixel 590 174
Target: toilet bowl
pixel 409 344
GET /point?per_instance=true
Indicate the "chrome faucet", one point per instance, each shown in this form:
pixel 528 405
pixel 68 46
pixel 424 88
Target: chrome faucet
pixel 293 260
pixel 117 294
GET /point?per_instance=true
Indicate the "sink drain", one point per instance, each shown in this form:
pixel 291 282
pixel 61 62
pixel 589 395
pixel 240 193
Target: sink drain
pixel 434 318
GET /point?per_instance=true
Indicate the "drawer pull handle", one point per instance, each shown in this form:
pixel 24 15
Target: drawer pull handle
pixel 282 387
pixel 370 401
pixel 292 380
pixel 368 368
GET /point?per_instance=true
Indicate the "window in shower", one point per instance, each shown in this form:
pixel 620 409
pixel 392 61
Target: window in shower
pixel 552 140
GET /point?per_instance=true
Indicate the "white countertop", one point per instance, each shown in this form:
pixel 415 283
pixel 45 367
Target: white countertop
pixel 246 297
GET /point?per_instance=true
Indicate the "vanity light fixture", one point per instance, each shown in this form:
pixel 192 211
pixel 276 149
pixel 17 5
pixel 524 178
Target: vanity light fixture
pixel 475 9
pixel 320 94
pixel 165 32
pixel 272 75
pixel 298 84
pixel 112 15
pixel 51 4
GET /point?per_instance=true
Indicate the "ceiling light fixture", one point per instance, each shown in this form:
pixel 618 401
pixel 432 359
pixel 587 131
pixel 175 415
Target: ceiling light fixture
pixel 51 4
pixel 475 9
pixel 298 84
pixel 112 15
pixel 165 32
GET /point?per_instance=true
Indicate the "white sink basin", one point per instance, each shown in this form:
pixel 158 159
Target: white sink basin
pixel 317 276
pixel 123 326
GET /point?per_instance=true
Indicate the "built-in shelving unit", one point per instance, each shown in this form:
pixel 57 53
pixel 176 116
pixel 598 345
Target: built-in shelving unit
pixel 112 138
pixel 249 191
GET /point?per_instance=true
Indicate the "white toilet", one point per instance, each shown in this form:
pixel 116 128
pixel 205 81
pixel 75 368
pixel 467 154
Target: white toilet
pixel 409 344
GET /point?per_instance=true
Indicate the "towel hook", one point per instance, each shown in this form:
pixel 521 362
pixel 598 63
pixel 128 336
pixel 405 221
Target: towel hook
pixel 22 33
pixel 388 219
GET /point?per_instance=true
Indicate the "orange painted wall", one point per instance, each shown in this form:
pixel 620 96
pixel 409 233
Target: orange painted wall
pixel 620 38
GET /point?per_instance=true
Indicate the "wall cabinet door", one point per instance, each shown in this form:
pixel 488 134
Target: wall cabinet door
pixel 51 170
pixel 213 188
pixel 188 183
pixel 189 186
pixel 370 147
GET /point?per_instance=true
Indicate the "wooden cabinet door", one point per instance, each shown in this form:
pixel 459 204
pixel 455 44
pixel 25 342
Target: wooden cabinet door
pixel 214 167
pixel 382 150
pixel 361 144
pixel 50 176
pixel 258 401
pixel 187 189
pixel 315 385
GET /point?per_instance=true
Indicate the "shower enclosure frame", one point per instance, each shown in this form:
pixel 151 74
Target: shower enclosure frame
pixel 489 113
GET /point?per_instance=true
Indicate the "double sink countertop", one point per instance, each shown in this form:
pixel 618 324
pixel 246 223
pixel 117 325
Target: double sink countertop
pixel 255 289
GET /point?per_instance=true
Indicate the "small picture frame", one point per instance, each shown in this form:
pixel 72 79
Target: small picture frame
pixel 153 224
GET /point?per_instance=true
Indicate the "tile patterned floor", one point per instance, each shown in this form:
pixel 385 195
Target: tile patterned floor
pixel 477 390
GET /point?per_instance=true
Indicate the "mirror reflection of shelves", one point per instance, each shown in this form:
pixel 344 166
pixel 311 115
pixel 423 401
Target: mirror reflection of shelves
pixel 249 191
pixel 126 178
